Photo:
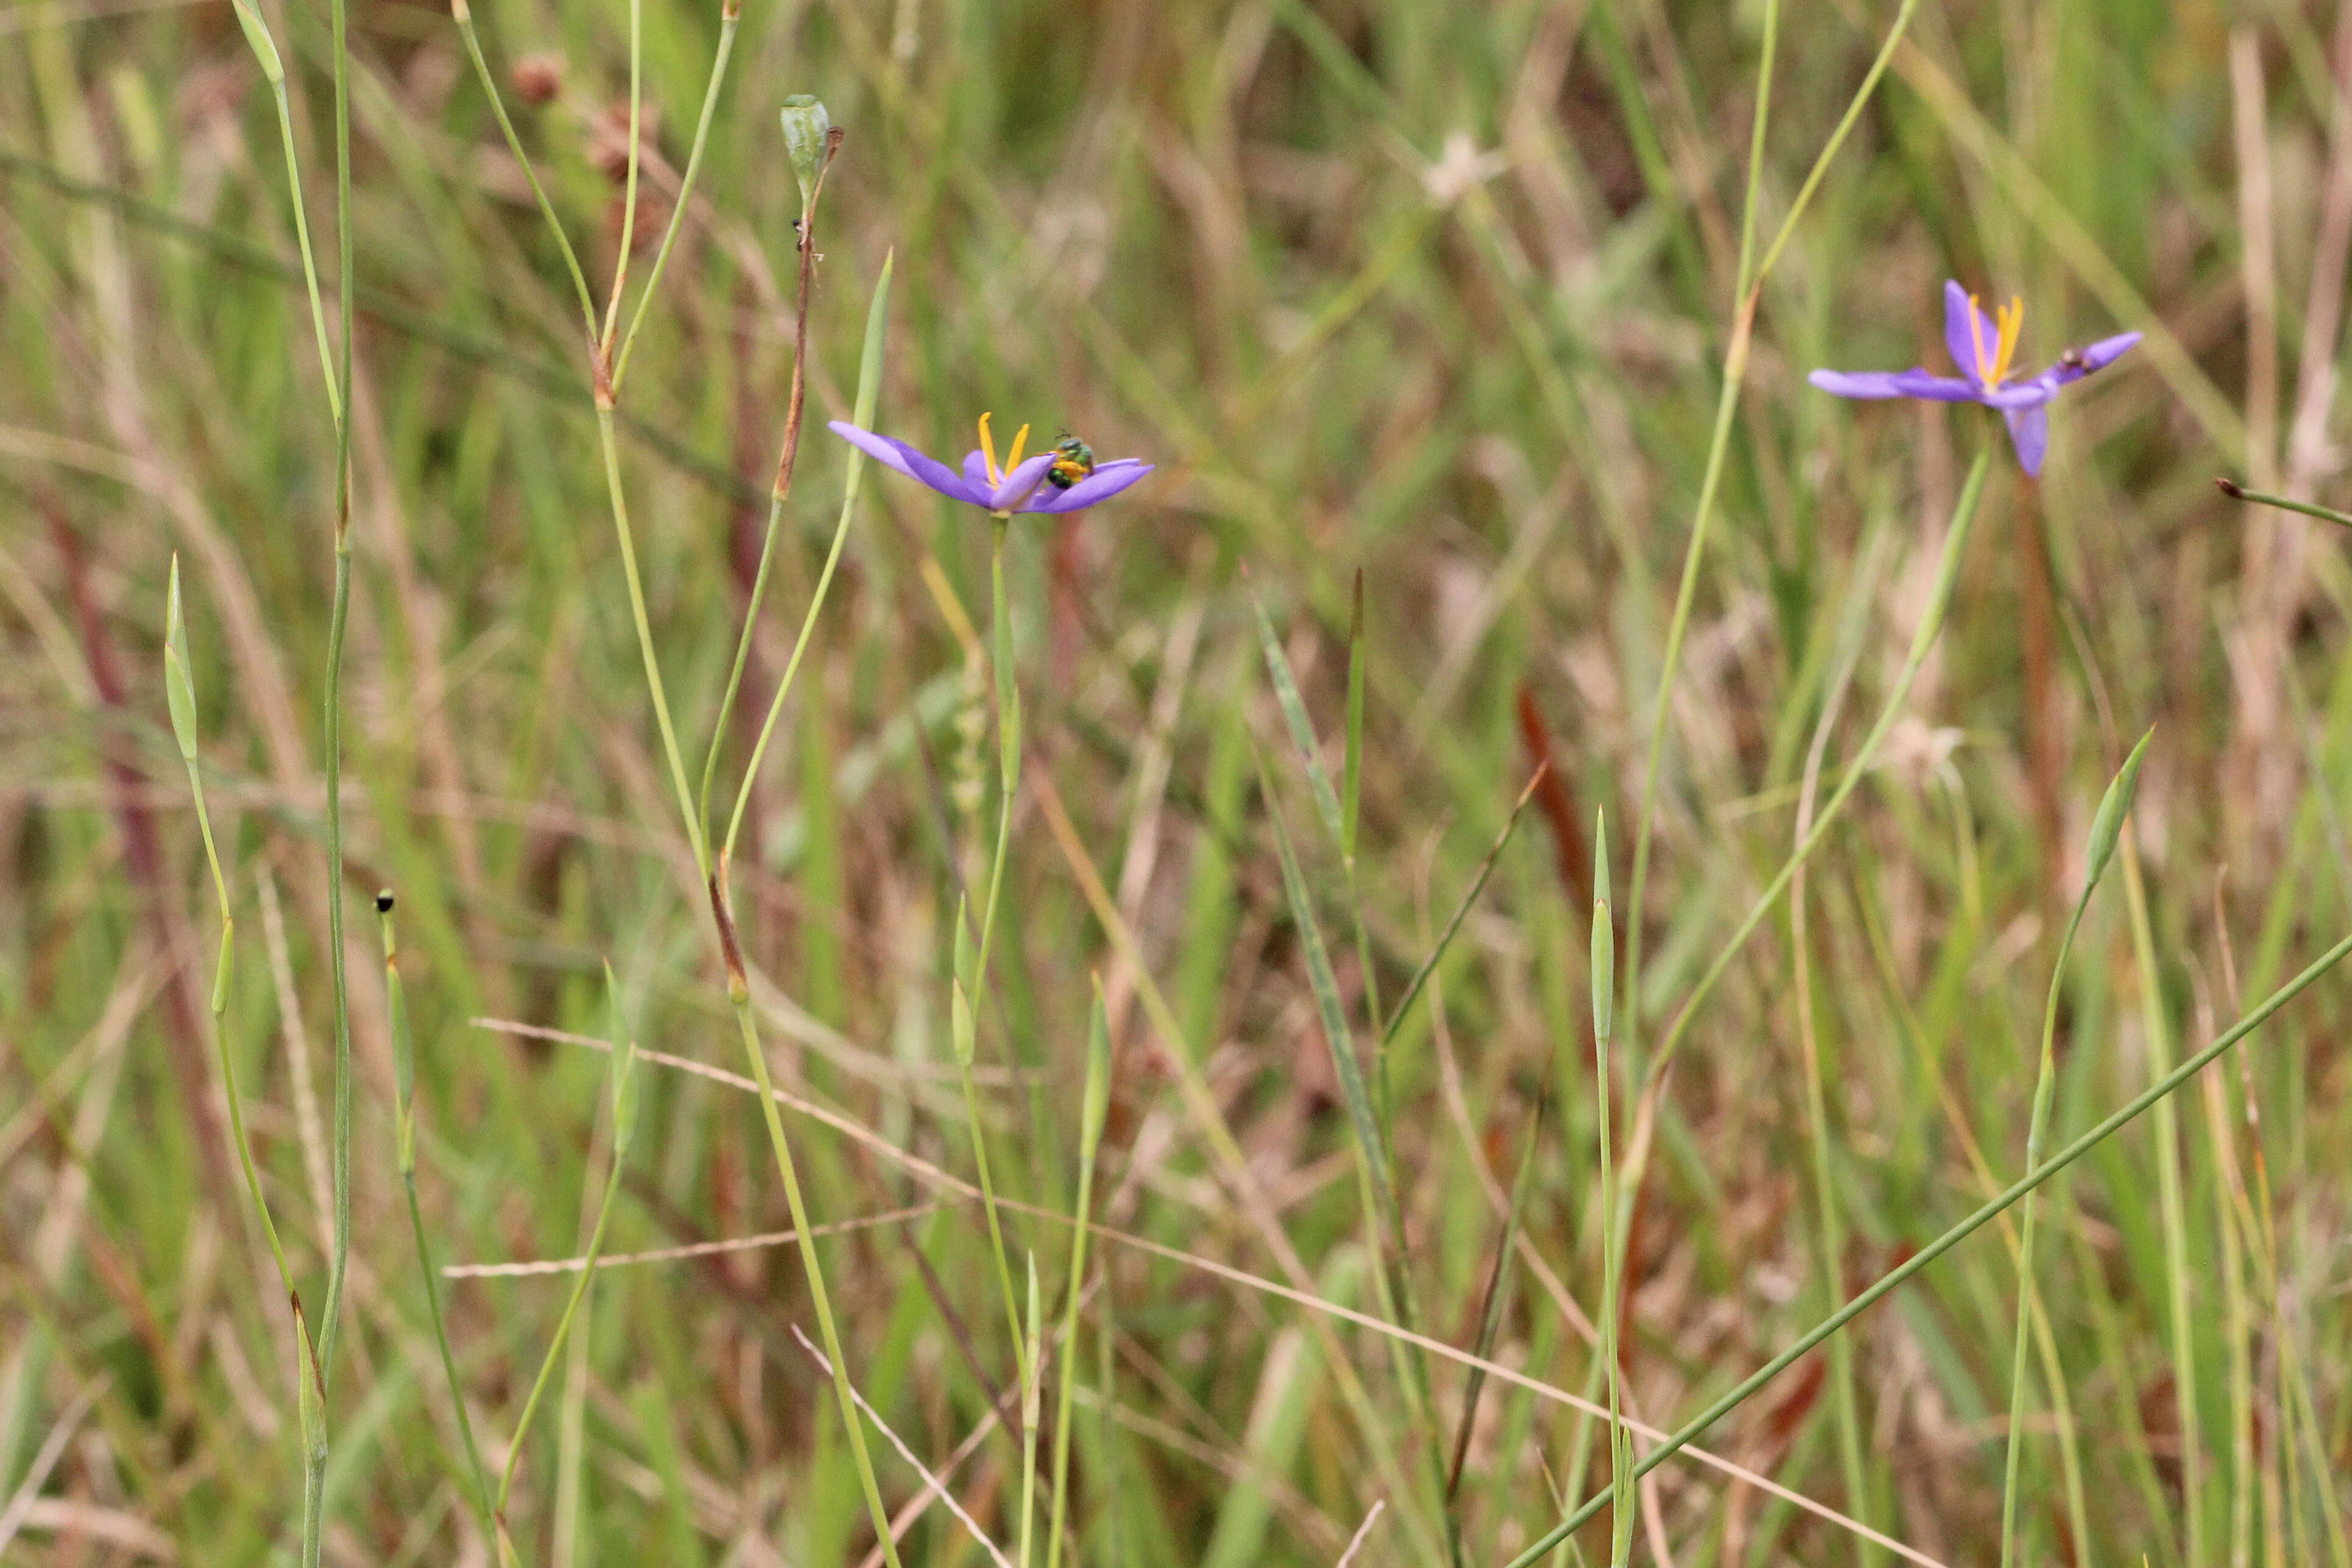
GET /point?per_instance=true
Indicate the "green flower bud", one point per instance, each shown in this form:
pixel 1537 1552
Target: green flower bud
pixel 2107 826
pixel 179 686
pixel 806 128
pixel 1605 934
pixel 264 48
pixel 962 1029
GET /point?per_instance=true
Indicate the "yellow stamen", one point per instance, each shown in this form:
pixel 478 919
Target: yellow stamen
pixel 1020 440
pixel 988 450
pixel 2013 324
pixel 2008 322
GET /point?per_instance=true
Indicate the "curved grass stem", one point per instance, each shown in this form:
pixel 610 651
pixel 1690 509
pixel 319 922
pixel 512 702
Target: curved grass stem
pixel 740 996
pixel 645 633
pixel 728 19
pixel 463 14
pixel 2045 1086
pixel 1746 294
pixel 1984 1215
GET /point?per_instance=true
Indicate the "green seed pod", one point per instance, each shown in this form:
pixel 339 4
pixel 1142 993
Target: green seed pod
pixel 2107 826
pixel 221 969
pixel 806 126
pixel 309 1405
pixel 623 1077
pixel 963 1030
pixel 1605 934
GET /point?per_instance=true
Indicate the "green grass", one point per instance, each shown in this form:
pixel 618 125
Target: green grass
pixel 1442 294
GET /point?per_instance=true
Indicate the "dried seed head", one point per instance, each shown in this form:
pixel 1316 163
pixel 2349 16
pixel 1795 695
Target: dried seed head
pixel 538 78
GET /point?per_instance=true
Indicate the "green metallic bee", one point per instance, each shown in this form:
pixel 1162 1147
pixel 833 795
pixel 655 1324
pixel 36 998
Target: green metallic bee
pixel 1073 461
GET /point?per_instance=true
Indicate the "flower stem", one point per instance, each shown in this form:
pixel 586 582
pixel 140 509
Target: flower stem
pixel 972 981
pixel 778 494
pixel 1653 1078
pixel 2045 1086
pixel 869 378
pixel 739 994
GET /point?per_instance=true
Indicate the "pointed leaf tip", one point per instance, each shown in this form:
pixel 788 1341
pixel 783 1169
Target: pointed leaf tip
pixel 2107 824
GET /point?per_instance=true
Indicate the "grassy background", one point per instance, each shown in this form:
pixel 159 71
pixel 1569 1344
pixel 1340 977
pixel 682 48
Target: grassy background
pixel 1437 291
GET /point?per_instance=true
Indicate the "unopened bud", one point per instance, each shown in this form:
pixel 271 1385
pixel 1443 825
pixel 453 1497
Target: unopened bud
pixel 806 128
pixel 2108 823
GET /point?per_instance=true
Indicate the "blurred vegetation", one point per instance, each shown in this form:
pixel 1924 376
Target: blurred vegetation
pixel 1440 293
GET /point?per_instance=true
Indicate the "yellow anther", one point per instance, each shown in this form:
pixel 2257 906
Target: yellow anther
pixel 988 451
pixel 2011 323
pixel 1020 440
pixel 2007 325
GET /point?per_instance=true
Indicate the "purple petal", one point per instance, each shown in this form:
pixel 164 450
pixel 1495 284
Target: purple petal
pixel 1857 383
pixel 2029 432
pixel 881 449
pixel 975 467
pixel 2106 350
pixel 1959 342
pixel 1106 481
pixel 1020 483
pixel 1933 388
pixel 2031 393
pixel 1913 383
pixel 915 464
pixel 2076 363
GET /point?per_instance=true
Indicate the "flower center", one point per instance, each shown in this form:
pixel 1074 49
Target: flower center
pixel 988 452
pixel 2006 322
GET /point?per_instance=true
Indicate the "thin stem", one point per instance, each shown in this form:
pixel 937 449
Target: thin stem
pixel 338 620
pixel 462 12
pixel 740 996
pixel 1817 1118
pixel 337 625
pixel 1837 139
pixel 562 1330
pixel 404 1152
pixel 785 464
pixel 989 1206
pixel 792 665
pixel 728 19
pixel 1654 1079
pixel 1033 1357
pixel 1619 1451
pixel 1068 1364
pixel 473 1466
pixel 1993 1207
pixel 629 187
pixel 309 263
pixel 2236 492
pixel 972 986
pixel 1735 369
pixel 2044 1084
pixel 1922 641
pixel 645 636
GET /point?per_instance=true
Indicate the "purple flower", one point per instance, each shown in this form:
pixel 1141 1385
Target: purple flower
pixel 1060 479
pixel 1984 347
